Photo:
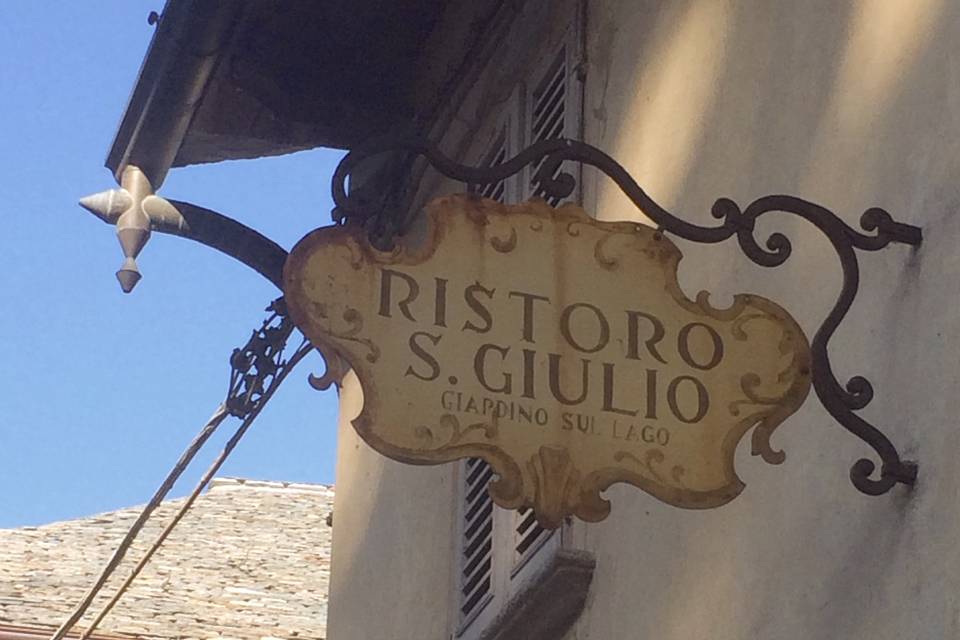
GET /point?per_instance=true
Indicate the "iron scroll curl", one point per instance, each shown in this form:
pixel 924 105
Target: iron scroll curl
pixel 879 229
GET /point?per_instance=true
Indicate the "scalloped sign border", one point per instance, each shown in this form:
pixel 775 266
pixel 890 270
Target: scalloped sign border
pixel 558 348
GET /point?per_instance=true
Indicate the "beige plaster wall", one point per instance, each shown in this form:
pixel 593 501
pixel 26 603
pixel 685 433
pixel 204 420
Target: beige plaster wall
pixel 850 105
pixel 391 573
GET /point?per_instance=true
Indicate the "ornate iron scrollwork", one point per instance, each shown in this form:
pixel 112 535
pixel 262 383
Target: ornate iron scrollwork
pixel 842 401
pixel 256 365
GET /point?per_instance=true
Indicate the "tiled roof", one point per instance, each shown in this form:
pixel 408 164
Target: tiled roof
pixel 250 561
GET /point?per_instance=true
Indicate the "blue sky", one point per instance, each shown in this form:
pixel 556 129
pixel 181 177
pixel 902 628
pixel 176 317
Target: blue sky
pixel 101 391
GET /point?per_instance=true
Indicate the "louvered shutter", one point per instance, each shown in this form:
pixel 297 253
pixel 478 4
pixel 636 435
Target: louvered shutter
pixel 500 550
pixel 529 536
pixel 549 114
pixel 476 574
pixel 496 155
pixel 477 545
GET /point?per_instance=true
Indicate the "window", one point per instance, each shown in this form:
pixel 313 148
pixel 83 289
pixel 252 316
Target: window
pixel 477 516
pixel 552 111
pixel 528 537
pixel 500 551
pixel 476 552
pixel 497 153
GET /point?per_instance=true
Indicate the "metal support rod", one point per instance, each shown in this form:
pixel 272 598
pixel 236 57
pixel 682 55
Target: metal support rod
pixel 230 237
pixel 208 430
pixel 205 480
pixel 257 370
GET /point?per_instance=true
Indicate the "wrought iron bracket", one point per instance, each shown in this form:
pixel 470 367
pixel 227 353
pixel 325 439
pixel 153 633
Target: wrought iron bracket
pixel 255 366
pixel 842 401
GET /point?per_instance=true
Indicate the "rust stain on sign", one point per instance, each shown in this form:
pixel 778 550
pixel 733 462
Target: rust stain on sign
pixel 558 348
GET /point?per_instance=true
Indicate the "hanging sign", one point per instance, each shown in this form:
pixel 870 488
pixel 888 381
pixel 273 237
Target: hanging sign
pixel 558 348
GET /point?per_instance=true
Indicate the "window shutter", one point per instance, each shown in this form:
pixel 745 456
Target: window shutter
pixel 476 575
pixel 549 113
pixel 477 544
pixel 549 116
pixel 528 536
pixel 496 155
pixel 501 550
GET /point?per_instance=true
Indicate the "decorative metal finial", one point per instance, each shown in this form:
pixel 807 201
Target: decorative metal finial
pixel 135 210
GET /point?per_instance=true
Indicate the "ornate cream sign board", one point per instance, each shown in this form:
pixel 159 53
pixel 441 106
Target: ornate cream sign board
pixel 558 348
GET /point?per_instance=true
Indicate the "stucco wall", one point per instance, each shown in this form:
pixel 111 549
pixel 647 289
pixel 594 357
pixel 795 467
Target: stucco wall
pixel 391 573
pixel 850 105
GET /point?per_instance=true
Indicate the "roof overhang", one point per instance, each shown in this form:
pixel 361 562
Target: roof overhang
pixel 182 55
pixel 246 78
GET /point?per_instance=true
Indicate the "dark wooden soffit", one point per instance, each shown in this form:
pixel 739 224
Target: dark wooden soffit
pixel 237 79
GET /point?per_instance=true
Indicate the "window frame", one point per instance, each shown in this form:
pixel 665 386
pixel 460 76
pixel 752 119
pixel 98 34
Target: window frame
pixel 512 572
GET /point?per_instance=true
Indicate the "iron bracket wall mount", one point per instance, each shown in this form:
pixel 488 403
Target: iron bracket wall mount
pixel 842 401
